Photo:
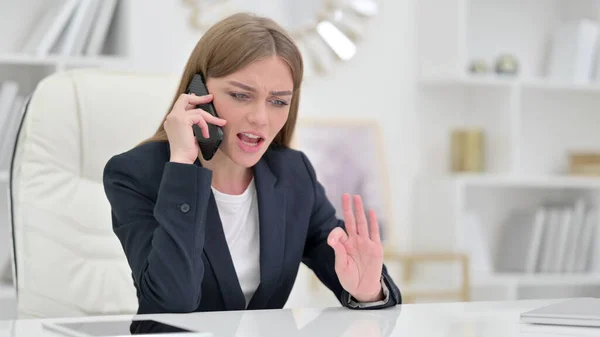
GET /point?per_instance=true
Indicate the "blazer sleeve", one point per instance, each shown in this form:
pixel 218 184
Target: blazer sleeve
pixel 320 257
pixel 163 238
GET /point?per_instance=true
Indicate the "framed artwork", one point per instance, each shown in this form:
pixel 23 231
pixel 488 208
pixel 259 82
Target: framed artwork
pixel 348 157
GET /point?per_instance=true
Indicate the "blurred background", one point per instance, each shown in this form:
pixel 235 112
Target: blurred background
pixel 477 123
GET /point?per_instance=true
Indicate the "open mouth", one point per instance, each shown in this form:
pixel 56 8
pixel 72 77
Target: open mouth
pixel 249 139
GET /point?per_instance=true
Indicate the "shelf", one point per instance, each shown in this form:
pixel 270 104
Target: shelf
pixel 52 60
pixel 3 176
pixel 538 181
pixel 495 81
pixel 506 279
pixel 479 81
pixel 22 59
pixel 545 84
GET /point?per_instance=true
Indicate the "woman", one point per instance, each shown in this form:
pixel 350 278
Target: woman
pixel 230 233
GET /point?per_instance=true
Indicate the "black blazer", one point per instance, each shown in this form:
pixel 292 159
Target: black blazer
pixel 167 221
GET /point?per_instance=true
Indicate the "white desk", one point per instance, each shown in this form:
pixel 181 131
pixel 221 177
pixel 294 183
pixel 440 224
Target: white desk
pixel 489 319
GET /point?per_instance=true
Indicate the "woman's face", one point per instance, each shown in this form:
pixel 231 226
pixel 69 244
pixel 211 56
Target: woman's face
pixel 255 102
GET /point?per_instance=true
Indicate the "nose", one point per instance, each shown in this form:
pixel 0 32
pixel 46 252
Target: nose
pixel 258 116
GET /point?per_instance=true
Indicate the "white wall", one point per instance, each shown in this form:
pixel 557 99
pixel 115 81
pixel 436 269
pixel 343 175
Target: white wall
pixel 378 83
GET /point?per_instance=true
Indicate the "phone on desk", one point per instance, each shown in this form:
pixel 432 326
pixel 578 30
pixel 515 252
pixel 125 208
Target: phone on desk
pixel 210 145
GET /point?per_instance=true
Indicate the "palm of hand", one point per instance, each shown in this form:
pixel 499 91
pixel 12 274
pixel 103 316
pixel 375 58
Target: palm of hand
pixel 358 253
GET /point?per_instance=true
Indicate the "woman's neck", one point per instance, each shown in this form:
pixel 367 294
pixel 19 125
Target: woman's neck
pixel 228 177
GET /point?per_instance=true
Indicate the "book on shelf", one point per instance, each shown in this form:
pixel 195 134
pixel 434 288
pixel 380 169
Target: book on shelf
pixel 72 28
pixel 574 51
pixel 554 238
pixel 11 104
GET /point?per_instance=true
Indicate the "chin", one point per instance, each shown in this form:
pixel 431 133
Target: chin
pixel 246 162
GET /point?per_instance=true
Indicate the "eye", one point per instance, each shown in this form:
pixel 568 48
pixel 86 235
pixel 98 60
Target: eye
pixel 280 103
pixel 239 96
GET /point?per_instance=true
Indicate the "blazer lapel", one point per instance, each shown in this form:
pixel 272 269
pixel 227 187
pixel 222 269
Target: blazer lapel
pixel 271 210
pixel 217 252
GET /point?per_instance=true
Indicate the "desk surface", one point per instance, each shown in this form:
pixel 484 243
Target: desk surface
pixel 489 319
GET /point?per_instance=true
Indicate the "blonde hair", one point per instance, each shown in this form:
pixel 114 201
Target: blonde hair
pixel 234 43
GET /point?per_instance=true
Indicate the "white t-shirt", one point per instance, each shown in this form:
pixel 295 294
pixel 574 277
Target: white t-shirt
pixel 239 216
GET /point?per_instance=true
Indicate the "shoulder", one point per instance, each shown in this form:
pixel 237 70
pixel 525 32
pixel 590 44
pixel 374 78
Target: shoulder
pixel 143 162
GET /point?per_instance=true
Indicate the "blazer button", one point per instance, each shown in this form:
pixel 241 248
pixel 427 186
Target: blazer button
pixel 184 208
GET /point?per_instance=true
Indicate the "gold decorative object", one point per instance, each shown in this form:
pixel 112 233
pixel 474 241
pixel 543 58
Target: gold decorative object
pixel 467 150
pixel 479 67
pixel 325 30
pixel 583 163
pixel 507 65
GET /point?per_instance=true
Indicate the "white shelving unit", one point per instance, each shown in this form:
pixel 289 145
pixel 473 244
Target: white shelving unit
pixel 17 21
pixel 6 291
pixel 8 308
pixel 530 125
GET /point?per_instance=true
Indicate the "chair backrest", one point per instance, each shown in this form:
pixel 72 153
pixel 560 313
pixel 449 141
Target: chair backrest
pixel 67 260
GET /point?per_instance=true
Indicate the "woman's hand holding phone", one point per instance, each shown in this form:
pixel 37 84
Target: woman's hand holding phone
pixel 178 125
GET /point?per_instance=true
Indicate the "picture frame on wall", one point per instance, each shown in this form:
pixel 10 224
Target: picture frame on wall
pixel 348 156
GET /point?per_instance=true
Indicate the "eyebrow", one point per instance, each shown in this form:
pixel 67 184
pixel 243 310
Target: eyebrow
pixel 249 88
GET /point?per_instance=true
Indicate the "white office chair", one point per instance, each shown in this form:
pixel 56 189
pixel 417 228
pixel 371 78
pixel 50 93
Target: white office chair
pixel 67 260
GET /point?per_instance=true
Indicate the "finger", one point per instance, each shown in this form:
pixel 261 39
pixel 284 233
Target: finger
pixel 202 124
pixel 195 100
pixel 181 102
pixel 190 106
pixel 191 101
pixel 362 228
pixel 212 119
pixel 337 235
pixel 199 113
pixel 348 215
pixel 336 239
pixel 374 226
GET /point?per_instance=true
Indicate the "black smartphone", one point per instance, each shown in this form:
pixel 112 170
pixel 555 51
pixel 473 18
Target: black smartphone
pixel 210 145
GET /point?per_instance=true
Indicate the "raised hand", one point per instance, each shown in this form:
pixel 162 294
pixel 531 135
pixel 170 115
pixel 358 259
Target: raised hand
pixel 359 253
